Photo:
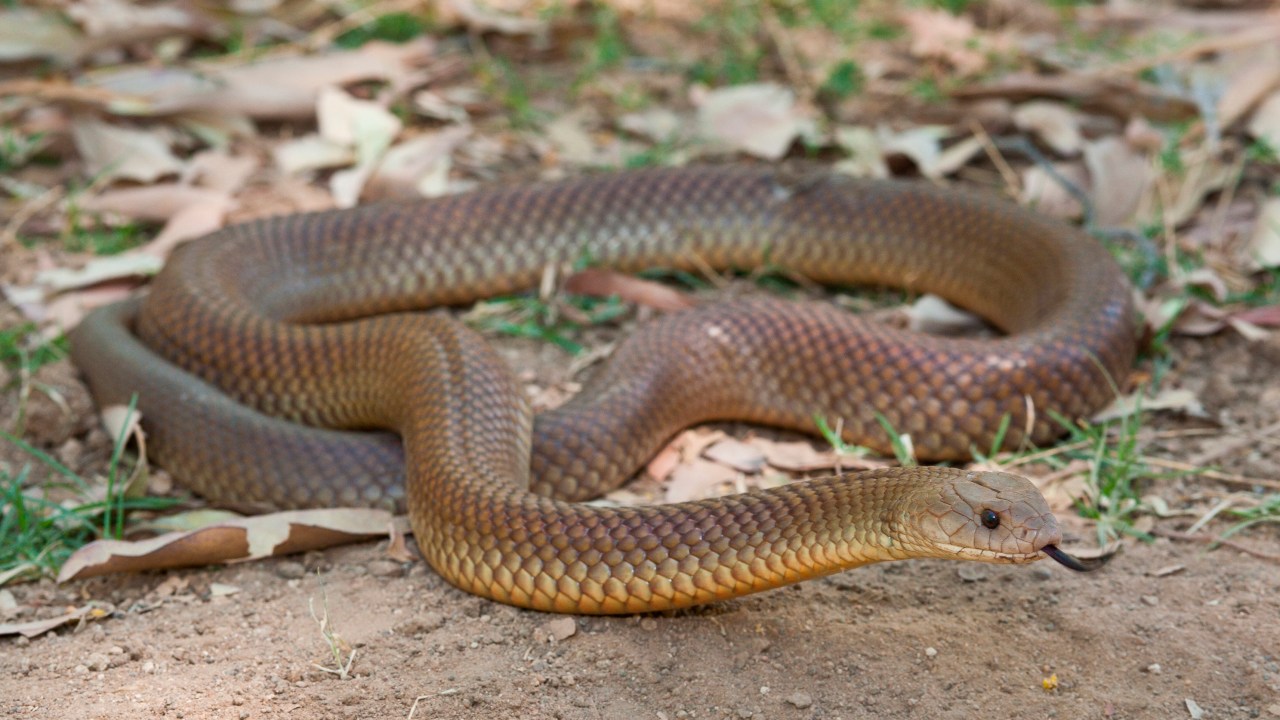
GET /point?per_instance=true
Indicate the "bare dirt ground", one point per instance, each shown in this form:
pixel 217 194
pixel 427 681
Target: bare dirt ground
pixel 1162 117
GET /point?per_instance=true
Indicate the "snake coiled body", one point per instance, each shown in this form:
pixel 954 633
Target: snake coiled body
pixel 309 319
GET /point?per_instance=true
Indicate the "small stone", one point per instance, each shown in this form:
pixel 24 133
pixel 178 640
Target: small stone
pixel 1151 600
pixel 386 568
pixel 1154 668
pixel 557 630
pixel 931 653
pixel 290 570
pixel 97 662
pixel 148 667
pixel 972 572
pixel 1040 572
pixel 648 625
pixel 744 713
pixel 1193 709
pixel 1274 709
pixel 801 700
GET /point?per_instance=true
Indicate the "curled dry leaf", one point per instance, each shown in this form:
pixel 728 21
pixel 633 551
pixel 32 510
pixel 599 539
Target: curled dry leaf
pixel 1056 124
pixel 865 153
pixel 239 540
pixel 656 124
pixel 110 151
pixel 762 119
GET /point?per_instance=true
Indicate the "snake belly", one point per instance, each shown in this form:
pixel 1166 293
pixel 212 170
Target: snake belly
pixel 265 351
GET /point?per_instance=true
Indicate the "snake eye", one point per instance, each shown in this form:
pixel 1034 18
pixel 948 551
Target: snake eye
pixel 990 519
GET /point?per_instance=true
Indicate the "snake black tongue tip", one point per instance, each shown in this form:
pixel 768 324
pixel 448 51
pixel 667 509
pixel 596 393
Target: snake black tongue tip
pixel 1066 560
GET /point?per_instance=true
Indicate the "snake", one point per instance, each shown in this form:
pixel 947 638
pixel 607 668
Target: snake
pixel 313 359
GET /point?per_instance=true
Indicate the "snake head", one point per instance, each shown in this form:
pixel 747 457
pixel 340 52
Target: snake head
pixel 989 516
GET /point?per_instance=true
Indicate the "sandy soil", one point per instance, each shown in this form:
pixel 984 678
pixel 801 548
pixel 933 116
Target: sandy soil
pixel 1167 630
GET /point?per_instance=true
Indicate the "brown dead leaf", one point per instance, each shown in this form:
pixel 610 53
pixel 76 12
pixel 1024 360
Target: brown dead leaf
pixel 698 479
pixel 1056 124
pixel 236 541
pixel 1116 96
pixel 220 171
pixel 939 35
pixel 110 151
pixel 311 152
pixel 761 119
pixel 599 282
pixel 398 544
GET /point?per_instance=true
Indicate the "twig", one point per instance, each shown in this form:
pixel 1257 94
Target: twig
pixel 1211 540
pixel 1212 474
pixel 1236 41
pixel 1013 185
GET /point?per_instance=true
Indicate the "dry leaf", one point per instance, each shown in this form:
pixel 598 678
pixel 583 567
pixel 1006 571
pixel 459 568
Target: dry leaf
pixel 1042 191
pixel 220 171
pixel 100 270
pixel 599 282
pixel 737 455
pixel 1120 178
pixel 1054 123
pixel 797 456
pixel 761 119
pixel 110 151
pixel 1248 87
pixel 239 540
pixel 27 33
pixel 937 34
pixel 418 167
pixel 1179 399
pixel 934 315
pixel 698 479
pixel 865 153
pixel 479 19
pixel 1265 123
pixel 1264 247
pixel 656 124
pixel 362 124
pixel 311 152
pixel 39 627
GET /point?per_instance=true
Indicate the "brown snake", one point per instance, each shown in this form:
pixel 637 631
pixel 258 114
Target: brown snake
pixel 305 318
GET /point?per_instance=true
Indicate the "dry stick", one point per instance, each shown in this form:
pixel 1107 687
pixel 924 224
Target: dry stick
pixel 1236 41
pixel 1211 540
pixel 1013 185
pixel 1212 474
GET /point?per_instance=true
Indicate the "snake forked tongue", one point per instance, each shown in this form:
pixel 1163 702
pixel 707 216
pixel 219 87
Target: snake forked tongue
pixel 1073 563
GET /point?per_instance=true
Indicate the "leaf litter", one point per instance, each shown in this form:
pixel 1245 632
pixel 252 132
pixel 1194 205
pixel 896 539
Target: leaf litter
pixel 160 136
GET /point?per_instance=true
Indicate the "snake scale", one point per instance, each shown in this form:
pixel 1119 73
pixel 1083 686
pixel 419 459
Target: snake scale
pixel 265 353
